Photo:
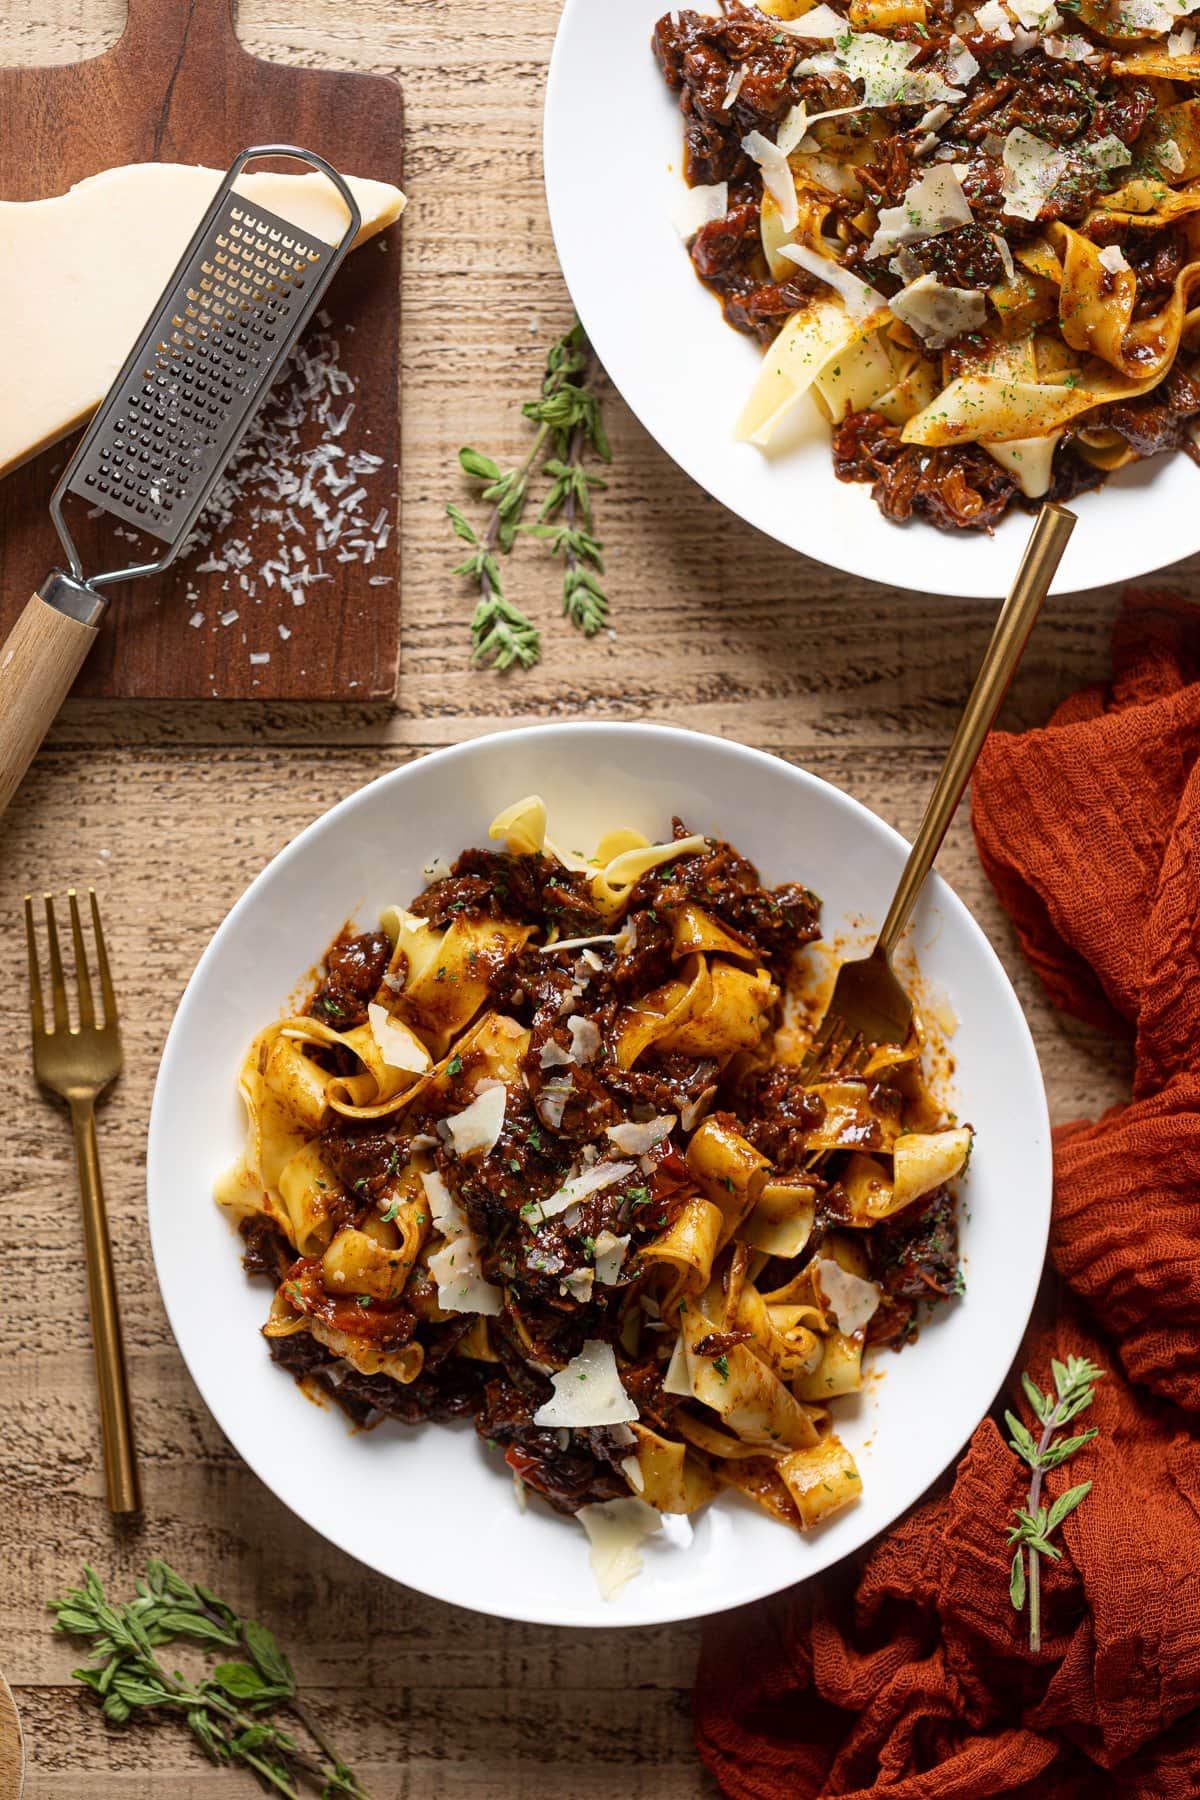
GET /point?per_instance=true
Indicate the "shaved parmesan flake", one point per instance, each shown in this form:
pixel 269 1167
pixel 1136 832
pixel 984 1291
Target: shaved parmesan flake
pixel 860 299
pixel 993 20
pixel 938 314
pixel 554 1056
pixel 692 1112
pixel 631 1469
pixel 962 65
pixel 447 1214
pixel 636 1140
pixel 777 176
pixel 935 203
pixel 735 86
pixel 576 943
pixel 819 22
pixel 479 1125
pixel 585 1039
pixel 699 206
pixel 578 1187
pixel 1025 40
pixel 1149 16
pixel 1171 157
pixel 461 1287
pixel 579 1285
pixel 587 1392
pixel 851 1300
pixel 823 62
pixel 936 117
pixel 793 130
pixel 625 942
pixel 610 1254
pixel 1108 153
pixel 552 1101
pixel 677 1380
pixel 1112 258
pixel 1032 168
pixel 1035 15
pixel 1181 42
pixel 1070 49
pixel 880 63
pixel 399 1047
pixel 616 1529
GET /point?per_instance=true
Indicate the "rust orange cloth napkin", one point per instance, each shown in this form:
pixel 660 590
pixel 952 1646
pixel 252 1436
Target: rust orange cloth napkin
pixel 908 1676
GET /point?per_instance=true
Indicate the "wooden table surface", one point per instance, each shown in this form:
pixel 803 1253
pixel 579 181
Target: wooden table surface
pixel 171 810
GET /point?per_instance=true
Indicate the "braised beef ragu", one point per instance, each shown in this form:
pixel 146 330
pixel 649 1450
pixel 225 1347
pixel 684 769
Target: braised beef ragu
pixel 354 968
pixel 645 1105
pixel 744 72
pixel 1159 420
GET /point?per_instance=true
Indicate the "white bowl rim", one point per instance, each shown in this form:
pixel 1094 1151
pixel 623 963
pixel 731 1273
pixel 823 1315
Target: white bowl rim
pixel 157 1152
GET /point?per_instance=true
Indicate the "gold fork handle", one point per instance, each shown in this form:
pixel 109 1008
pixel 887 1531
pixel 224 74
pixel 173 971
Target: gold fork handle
pixel 1018 615
pixel 116 1421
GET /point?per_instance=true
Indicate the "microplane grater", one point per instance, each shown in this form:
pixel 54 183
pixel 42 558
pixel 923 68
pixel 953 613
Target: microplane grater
pixel 243 291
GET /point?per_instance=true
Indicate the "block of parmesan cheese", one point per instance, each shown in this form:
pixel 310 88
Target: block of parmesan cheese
pixel 83 270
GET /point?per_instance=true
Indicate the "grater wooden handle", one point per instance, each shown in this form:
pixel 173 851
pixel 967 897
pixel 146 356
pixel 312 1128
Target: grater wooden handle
pixel 39 660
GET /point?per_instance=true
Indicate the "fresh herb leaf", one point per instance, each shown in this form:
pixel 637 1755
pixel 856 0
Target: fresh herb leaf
pixel 569 426
pixel 1074 1385
pixel 238 1711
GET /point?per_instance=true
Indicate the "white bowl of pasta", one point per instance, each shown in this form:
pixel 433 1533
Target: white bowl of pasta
pixel 758 430
pixel 551 1125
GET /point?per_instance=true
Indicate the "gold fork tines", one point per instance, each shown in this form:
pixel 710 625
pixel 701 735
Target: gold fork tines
pixel 80 1063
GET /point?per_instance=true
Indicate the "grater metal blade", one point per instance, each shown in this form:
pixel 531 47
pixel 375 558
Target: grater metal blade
pixel 242 293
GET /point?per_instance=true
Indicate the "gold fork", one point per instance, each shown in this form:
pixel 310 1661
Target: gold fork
pixel 868 1005
pixel 80 1064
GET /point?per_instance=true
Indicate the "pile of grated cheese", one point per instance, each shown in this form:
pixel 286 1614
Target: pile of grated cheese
pixel 312 504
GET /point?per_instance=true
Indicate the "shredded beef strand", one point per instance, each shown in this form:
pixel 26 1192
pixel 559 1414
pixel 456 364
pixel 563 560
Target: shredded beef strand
pixel 954 488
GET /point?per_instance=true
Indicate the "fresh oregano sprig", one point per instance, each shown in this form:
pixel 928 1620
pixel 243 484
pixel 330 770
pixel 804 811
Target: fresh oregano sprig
pixel 1074 1382
pixel 233 1710
pixel 569 426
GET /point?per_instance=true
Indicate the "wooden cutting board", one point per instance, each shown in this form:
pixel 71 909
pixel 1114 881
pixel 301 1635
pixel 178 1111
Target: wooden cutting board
pixel 178 87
